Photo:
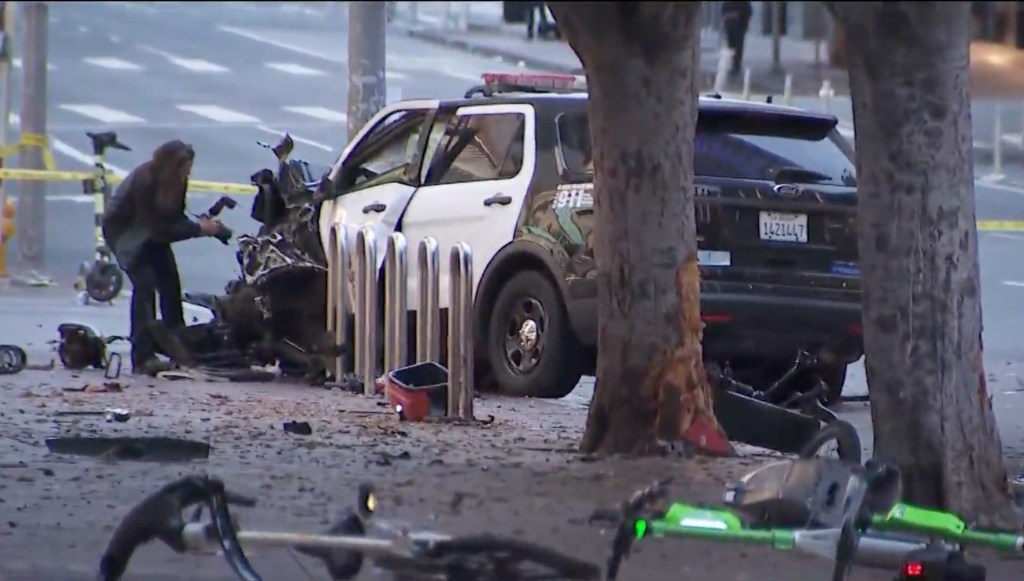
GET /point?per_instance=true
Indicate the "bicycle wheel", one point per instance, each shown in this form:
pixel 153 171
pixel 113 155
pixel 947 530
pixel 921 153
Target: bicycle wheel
pixel 843 434
pixel 489 557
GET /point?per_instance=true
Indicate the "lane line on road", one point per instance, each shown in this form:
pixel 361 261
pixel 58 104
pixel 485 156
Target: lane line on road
pixel 1013 283
pixel 101 113
pixel 218 113
pixel 295 69
pixel 81 156
pixel 1005 236
pixel 193 64
pixel 19 64
pixel 269 41
pixel 112 63
pixel 296 138
pixel 321 113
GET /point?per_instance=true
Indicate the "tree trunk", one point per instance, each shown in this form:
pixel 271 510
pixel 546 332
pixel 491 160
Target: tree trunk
pixel 931 412
pixel 641 60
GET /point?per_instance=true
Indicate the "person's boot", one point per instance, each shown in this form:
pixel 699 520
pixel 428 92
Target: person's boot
pixel 151 366
pixel 170 344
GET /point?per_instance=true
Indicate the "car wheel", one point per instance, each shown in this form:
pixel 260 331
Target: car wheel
pixel 845 438
pixel 530 346
pixel 834 376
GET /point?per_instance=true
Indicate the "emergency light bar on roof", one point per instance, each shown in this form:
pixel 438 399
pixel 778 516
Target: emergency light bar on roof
pixel 534 82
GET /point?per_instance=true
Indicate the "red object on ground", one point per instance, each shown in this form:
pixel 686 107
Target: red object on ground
pixel 413 405
pixel 708 439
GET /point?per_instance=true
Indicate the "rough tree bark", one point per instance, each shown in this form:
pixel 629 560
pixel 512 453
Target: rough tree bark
pixel 930 408
pixel 641 61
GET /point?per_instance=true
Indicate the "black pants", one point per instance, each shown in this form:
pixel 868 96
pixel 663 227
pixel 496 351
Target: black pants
pixel 532 24
pixel 734 37
pixel 155 272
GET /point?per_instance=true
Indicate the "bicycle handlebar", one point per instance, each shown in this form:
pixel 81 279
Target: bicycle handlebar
pixel 159 517
pixel 415 555
pixel 627 515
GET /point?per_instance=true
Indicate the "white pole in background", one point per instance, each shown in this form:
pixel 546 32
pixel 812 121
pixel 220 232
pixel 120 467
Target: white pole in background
pixel 997 147
pixel 746 85
pixel 724 59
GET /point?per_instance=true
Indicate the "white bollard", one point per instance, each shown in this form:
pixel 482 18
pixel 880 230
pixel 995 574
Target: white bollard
pixel 997 147
pixel 746 85
pixel 787 90
pixel 722 73
pixel 826 93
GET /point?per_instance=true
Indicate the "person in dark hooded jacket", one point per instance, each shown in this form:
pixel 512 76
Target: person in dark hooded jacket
pixel 144 217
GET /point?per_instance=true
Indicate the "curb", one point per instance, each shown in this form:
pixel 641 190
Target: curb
pixel 470 47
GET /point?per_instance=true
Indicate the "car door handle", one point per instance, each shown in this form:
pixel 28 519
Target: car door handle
pixel 498 199
pixel 375 207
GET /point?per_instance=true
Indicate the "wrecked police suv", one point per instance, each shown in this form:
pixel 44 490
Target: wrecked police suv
pixel 507 169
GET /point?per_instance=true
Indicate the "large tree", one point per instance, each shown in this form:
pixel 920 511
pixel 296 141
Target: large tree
pixel 642 61
pixel 930 408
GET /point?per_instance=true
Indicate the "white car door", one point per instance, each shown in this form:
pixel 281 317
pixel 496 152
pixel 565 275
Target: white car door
pixel 376 175
pixel 475 180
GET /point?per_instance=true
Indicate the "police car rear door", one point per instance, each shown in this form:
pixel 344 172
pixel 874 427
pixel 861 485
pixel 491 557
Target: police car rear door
pixel 474 185
pixel 377 173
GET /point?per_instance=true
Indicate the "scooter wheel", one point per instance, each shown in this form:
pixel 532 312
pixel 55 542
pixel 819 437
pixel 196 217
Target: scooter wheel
pixel 843 434
pixel 104 282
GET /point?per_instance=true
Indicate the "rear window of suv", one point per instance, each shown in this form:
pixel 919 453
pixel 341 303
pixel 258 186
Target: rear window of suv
pixel 740 145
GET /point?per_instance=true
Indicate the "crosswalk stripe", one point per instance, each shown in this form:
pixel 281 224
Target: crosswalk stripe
pixel 319 113
pixel 103 114
pixel 192 64
pixel 296 69
pixel 217 113
pixel 113 63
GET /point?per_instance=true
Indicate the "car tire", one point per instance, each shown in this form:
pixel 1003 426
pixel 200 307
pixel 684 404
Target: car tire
pixel 834 376
pixel 531 349
pixel 843 434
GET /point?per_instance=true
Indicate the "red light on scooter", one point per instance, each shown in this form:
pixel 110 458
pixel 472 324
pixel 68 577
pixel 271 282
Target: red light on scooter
pixel 913 570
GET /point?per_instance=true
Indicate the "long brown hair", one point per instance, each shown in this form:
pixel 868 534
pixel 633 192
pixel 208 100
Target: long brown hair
pixel 169 167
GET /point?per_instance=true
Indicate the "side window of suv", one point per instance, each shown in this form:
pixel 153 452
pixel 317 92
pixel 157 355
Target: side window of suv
pixel 384 154
pixel 474 148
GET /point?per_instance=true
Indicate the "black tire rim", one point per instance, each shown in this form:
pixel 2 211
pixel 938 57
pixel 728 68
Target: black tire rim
pixel 524 335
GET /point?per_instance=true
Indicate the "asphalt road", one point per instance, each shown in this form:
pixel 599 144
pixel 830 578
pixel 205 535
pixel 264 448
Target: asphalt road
pixel 222 76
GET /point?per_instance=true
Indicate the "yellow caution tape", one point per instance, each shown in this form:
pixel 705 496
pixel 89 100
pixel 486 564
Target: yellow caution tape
pixel 32 141
pixel 221 187
pixel 1001 225
pixel 43 175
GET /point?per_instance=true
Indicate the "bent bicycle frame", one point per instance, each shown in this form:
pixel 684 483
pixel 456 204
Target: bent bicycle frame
pixel 904 529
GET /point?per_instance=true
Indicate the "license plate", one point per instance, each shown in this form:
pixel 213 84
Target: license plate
pixel 779 227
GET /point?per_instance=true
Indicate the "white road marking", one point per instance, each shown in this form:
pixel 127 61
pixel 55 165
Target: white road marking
pixel 1014 138
pixel 1005 236
pixel 319 113
pixel 103 114
pixel 295 138
pixel 219 113
pixel 192 64
pixel 262 38
pixel 296 69
pixel 113 63
pixel 396 76
pixel 80 156
pixel 18 64
pixel 1013 283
